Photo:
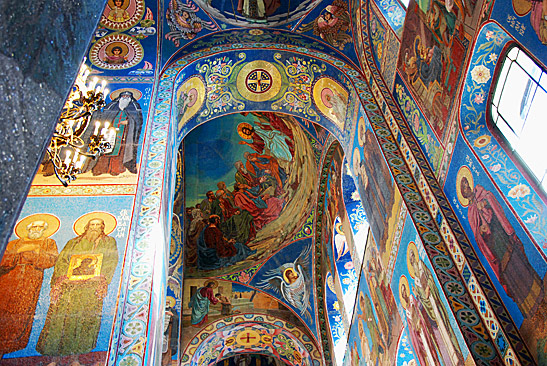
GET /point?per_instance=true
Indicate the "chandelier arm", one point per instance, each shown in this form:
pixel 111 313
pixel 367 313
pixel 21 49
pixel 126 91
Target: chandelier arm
pixel 63 181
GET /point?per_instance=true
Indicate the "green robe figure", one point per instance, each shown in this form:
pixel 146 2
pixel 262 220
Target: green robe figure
pixel 79 284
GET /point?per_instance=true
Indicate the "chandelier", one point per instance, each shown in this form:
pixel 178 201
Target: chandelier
pixel 72 141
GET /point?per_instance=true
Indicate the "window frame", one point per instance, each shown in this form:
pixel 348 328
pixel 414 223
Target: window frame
pixel 513 154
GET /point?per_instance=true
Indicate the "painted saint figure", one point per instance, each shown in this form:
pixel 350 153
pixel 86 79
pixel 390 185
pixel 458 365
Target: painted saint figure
pixel 199 303
pixel 502 248
pixel 118 12
pixel 21 274
pixel 419 330
pixel 429 298
pixel 332 25
pixel 257 10
pixel 116 57
pixel 74 316
pixel 124 114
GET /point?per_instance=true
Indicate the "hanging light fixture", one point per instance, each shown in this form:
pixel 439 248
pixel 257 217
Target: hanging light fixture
pixel 72 141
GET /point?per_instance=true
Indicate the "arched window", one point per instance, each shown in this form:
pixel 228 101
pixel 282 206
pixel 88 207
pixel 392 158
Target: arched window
pixel 519 111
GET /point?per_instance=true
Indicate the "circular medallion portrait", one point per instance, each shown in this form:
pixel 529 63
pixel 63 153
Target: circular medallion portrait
pixel 116 52
pixel 122 14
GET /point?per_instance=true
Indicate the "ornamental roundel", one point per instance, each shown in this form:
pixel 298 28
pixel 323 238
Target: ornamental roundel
pixel 259 81
pixel 116 52
pixel 122 14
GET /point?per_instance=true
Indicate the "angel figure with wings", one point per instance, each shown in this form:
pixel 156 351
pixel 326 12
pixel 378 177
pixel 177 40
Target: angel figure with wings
pixel 331 25
pixel 291 280
pixel 183 21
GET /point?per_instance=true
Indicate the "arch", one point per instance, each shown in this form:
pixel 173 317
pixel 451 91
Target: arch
pixel 251 333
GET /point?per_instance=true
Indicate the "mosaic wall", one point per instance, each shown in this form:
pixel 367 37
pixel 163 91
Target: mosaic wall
pixel 402 317
pixel 76 241
pixel 271 181
pixel 250 183
pixel 64 266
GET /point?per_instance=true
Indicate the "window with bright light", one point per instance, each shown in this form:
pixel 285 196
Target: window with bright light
pixel 518 110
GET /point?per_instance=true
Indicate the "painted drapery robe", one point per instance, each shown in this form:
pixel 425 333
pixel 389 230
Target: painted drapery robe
pixel 73 321
pixel 21 275
pixel 504 251
pixel 199 303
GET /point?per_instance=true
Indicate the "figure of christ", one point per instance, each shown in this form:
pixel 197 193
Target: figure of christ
pixel 22 271
pixel 502 248
pixel 267 140
pixel 199 303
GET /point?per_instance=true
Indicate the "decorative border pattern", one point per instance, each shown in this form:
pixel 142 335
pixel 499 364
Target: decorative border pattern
pixel 479 335
pixel 530 210
pixel 88 190
pixel 495 340
pixel 321 308
pixel 288 332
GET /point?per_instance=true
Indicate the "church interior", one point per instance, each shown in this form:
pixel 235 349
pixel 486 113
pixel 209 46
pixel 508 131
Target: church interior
pixel 273 182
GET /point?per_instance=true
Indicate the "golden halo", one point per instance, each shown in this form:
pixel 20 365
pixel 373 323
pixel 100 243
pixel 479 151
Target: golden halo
pixel 522 7
pixel 338 228
pixel 463 172
pixel 403 281
pixel 215 283
pixel 52 222
pixel 137 94
pixel 123 46
pixel 170 301
pixel 330 282
pixel 285 277
pixel 361 131
pixel 362 302
pixel 244 125
pixel 124 6
pixel 108 219
pixel 411 248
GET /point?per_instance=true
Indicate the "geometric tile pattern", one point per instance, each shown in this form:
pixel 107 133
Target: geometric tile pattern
pixel 446 244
